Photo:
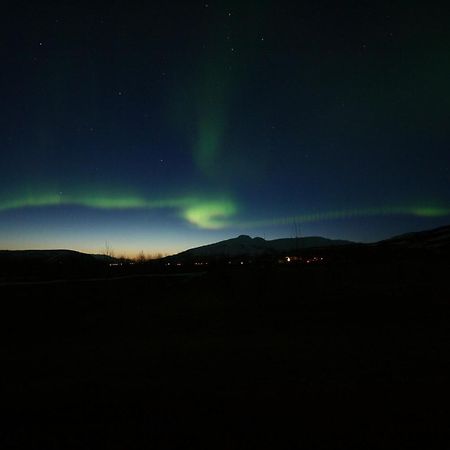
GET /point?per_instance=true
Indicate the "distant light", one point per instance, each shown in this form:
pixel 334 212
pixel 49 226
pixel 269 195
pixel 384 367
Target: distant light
pixel 242 262
pixel 288 259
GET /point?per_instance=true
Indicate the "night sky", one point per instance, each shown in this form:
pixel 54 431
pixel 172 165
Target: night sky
pixel 163 125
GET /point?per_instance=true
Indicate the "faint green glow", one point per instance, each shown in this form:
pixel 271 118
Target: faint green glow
pixel 37 200
pixel 213 92
pixel 30 201
pixel 210 135
pixel 319 216
pixel 431 211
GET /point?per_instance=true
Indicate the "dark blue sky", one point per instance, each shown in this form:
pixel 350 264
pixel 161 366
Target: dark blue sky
pixel 157 126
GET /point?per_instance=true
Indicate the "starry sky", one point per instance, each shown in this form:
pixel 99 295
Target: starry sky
pixel 157 126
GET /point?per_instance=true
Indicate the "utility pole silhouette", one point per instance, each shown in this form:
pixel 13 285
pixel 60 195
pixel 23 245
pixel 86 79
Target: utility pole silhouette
pixel 108 250
pixel 297 235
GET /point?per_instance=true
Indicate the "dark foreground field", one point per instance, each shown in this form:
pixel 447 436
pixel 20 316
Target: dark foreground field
pixel 335 356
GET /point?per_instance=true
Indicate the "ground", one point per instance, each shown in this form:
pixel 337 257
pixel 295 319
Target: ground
pixel 328 356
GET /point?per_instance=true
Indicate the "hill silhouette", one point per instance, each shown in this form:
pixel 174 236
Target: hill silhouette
pixel 49 263
pixel 437 238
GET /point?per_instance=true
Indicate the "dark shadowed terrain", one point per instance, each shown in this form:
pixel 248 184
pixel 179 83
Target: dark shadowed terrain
pixel 352 353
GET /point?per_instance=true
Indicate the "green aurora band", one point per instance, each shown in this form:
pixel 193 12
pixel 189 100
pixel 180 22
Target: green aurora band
pixel 207 213
pixel 204 213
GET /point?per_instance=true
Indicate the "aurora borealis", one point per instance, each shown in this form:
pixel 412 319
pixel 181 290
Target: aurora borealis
pixel 161 126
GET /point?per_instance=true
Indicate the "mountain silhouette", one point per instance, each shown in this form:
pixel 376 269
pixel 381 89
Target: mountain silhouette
pixel 246 246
